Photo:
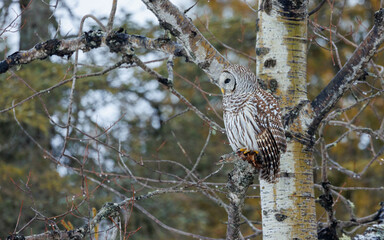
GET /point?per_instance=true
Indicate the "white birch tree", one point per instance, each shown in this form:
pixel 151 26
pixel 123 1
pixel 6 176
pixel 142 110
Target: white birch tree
pixel 288 207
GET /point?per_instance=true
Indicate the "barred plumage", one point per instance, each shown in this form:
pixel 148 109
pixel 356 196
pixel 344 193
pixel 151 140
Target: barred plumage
pixel 252 121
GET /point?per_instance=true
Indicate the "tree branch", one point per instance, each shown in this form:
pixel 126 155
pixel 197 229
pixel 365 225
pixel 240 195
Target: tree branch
pixel 372 233
pixel 198 49
pixel 74 234
pixel 359 221
pixel 116 41
pixel 239 179
pixel 351 71
pixel 195 47
pixel 169 84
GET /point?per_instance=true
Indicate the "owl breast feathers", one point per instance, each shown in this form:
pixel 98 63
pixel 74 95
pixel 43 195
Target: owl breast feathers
pixel 252 121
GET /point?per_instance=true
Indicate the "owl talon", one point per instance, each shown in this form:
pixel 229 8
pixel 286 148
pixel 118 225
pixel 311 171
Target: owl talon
pixel 246 151
pixel 252 157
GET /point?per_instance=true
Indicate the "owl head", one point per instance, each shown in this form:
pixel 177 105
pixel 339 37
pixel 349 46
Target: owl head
pixel 237 79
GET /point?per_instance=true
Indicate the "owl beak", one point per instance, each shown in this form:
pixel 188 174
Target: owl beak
pixel 222 90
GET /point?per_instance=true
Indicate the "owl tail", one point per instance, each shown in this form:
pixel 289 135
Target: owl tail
pixel 270 156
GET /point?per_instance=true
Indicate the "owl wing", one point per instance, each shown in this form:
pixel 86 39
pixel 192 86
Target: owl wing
pixel 270 155
pixel 269 115
pixel 271 140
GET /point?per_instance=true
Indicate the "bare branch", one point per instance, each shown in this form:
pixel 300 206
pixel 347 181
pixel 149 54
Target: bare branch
pixel 372 233
pixel 169 84
pixel 239 180
pixel 351 71
pixel 317 8
pixel 171 228
pixel 199 50
pixel 112 16
pixel 78 234
pixel 116 41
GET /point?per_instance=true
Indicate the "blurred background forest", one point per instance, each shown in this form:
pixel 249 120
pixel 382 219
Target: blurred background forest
pixel 140 124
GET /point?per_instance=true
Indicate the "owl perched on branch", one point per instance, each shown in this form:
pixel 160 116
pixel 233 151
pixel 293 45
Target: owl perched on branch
pixel 252 121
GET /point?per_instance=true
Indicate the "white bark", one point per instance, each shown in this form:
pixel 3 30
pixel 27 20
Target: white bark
pixel 288 208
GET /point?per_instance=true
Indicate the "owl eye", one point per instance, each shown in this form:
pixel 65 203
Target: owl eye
pixel 227 80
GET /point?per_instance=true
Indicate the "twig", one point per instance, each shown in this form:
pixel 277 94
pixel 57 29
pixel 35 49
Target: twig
pixel 317 8
pixel 350 72
pixel 168 84
pixel 163 225
pixel 112 16
pixel 175 115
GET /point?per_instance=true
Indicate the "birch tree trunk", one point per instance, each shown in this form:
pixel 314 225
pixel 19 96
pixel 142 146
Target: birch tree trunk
pixel 288 207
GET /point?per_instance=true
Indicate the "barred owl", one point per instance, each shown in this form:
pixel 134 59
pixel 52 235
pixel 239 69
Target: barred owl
pixel 252 121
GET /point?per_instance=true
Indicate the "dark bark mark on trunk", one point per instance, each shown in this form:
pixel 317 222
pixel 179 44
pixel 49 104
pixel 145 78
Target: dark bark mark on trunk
pixel 293 9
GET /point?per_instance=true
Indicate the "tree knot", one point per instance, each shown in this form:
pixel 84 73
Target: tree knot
pixel 93 39
pixel 280 217
pixel 116 41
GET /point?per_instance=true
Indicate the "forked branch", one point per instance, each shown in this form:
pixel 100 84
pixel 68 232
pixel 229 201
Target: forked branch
pixel 352 70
